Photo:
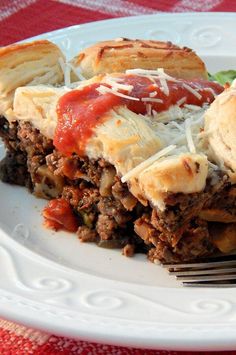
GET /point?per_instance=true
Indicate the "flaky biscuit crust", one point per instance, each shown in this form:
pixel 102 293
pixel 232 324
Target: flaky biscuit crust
pixel 220 122
pixel 28 64
pixel 119 55
pixel 185 173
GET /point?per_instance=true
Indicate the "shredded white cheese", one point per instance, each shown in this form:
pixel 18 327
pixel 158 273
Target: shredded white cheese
pixel 76 71
pixel 117 86
pixel 67 76
pixel 104 89
pixel 206 133
pixel 177 125
pixel 151 78
pixel 153 94
pixel 115 78
pixel 192 107
pixel 61 63
pixel 162 73
pixel 149 109
pixel 193 91
pixel 213 166
pixel 181 101
pixel 189 136
pixel 154 113
pixel 145 164
pixel 145 72
pixel 158 73
pixel 211 91
pixel 67 68
pixel 66 71
pixel 150 99
pixel 164 87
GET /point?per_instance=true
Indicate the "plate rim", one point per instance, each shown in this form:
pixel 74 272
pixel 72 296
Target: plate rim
pixel 132 18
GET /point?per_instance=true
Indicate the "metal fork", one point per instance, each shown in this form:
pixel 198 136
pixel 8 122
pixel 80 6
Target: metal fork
pixel 219 271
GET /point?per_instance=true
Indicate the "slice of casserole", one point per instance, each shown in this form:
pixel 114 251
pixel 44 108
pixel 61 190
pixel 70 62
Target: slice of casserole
pixel 126 159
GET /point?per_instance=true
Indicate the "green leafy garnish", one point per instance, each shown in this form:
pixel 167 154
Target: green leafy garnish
pixel 226 76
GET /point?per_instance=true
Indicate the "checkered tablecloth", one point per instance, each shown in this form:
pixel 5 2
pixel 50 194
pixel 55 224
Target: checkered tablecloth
pixel 20 19
pixel 26 18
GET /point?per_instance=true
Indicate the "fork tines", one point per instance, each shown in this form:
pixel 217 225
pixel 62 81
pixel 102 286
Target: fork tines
pixel 213 272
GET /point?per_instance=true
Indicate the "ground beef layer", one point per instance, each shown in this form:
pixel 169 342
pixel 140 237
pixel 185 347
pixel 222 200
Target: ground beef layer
pixel 106 212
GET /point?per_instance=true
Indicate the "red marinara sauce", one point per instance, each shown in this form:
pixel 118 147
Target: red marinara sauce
pixel 177 90
pixel 58 214
pixel 80 111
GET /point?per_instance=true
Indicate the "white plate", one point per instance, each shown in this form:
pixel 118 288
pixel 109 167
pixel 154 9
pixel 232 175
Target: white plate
pixel 53 282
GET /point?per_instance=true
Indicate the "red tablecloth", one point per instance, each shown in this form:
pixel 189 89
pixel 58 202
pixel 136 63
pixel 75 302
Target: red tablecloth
pixel 20 19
